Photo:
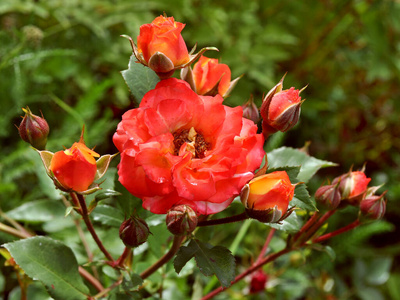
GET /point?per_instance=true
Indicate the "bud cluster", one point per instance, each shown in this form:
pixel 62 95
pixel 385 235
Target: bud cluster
pixel 352 189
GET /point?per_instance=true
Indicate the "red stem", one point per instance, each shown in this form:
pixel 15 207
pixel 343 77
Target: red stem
pixel 123 257
pixel 336 232
pixel 164 259
pixel 266 244
pixel 89 225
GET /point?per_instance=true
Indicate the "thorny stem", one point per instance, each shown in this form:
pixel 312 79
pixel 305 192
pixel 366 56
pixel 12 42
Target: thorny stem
pixel 231 219
pixel 164 259
pixel 336 232
pixel 266 244
pixel 89 225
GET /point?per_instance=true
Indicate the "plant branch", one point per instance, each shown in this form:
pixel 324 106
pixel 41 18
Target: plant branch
pixel 231 219
pixel 89 277
pixel 266 244
pixel 89 225
pixel 105 291
pixel 17 233
pixel 164 259
pixel 336 232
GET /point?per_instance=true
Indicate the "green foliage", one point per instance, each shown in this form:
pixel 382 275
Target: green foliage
pixel 51 262
pixel 211 260
pixel 139 78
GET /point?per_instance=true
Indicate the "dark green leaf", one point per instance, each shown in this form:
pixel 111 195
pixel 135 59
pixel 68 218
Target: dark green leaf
pixel 140 79
pixel 217 260
pixel 131 282
pixel 108 215
pixel 302 198
pixel 52 263
pixel 289 157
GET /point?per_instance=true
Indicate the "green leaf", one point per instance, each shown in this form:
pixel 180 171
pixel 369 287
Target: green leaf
pixel 130 282
pixel 108 215
pixel 289 157
pixel 140 79
pixel 290 224
pixel 52 263
pixel 302 198
pixel 38 211
pixel 217 260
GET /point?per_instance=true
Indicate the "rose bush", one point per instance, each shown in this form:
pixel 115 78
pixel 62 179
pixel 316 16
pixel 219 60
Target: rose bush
pixel 182 148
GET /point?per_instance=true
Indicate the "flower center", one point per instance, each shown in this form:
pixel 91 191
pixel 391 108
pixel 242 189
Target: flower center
pixel 195 142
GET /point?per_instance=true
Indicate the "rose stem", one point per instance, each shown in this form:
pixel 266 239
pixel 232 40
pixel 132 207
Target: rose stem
pixel 89 225
pixel 231 219
pixel 266 244
pixel 250 270
pixel 167 256
pixel 120 261
pixel 336 232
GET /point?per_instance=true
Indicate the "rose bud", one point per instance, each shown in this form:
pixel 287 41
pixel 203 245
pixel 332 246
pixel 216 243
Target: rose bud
pixel 280 109
pixel 181 220
pixel 266 198
pixel 258 282
pixel 373 206
pixel 352 186
pixel 34 130
pixel 74 168
pixel 134 232
pixel 250 111
pixel 161 45
pixel 328 196
pixel 212 78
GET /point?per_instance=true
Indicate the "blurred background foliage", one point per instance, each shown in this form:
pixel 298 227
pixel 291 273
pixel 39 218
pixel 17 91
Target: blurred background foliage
pixel 63 58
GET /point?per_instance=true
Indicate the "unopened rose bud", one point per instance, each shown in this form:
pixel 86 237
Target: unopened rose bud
pixel 258 282
pixel 280 109
pixel 373 206
pixel 134 232
pixel 328 196
pixel 74 168
pixel 181 220
pixel 34 130
pixel 352 186
pixel 250 110
pixel 266 198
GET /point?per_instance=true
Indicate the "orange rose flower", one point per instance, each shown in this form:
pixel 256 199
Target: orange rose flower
pixel 74 168
pixel 210 77
pixel 163 35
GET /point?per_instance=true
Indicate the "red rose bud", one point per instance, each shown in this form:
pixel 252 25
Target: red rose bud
pixel 373 206
pixel 212 78
pixel 280 109
pixel 250 111
pixel 134 232
pixel 163 40
pixel 267 197
pixel 34 130
pixel 328 196
pixel 181 220
pixel 353 186
pixel 74 168
pixel 258 282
